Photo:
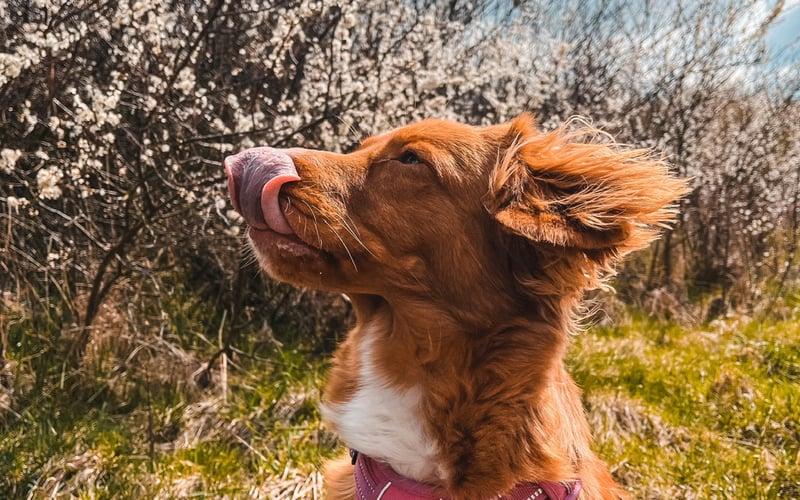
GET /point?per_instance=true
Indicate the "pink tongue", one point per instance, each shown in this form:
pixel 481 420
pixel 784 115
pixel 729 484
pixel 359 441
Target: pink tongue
pixel 271 205
pixel 255 178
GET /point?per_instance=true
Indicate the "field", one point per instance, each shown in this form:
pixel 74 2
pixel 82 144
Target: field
pixel 678 412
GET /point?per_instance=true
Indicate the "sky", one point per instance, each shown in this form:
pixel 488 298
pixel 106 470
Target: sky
pixel 784 37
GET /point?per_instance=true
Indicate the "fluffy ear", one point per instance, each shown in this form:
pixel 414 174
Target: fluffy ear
pixel 562 189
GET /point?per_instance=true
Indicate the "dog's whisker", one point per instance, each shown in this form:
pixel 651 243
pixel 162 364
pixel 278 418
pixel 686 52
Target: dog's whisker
pixel 352 230
pixel 316 225
pixel 344 245
pixel 248 255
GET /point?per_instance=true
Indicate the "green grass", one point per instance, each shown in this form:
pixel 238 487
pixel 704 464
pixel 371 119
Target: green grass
pixel 132 422
pixel 705 412
pixel 194 445
pixel 709 412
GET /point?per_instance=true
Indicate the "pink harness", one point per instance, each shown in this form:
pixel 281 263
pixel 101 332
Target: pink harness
pixel 377 481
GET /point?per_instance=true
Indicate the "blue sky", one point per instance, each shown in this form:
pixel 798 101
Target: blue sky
pixel 784 37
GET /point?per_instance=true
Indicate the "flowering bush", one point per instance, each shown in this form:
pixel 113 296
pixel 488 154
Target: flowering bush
pixel 119 114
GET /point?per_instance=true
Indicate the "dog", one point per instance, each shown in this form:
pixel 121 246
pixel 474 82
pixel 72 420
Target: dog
pixel 465 252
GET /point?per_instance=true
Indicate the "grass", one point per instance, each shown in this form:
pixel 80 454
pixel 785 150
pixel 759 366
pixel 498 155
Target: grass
pixel 705 412
pixel 264 440
pixel 133 421
pixel 709 412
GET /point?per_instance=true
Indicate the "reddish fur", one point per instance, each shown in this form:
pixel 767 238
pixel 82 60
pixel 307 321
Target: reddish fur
pixel 469 268
pixel 338 476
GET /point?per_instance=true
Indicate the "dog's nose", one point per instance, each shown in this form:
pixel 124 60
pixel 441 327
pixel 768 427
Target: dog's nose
pixel 255 178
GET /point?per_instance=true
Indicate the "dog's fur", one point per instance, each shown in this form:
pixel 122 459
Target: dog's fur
pixel 465 270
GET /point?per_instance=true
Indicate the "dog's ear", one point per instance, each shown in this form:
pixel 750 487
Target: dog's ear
pixel 565 189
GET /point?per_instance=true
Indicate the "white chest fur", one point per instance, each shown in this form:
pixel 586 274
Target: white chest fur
pixel 384 422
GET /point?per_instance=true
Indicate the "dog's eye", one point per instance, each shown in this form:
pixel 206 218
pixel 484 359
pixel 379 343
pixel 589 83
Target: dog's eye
pixel 409 158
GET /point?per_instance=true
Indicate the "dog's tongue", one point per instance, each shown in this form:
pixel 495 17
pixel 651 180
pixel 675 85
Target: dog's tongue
pixel 255 178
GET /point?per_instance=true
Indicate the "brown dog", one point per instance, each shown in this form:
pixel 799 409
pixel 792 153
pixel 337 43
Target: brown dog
pixel 465 252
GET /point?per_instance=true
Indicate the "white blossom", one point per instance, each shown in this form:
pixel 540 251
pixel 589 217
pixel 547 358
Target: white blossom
pixel 233 231
pixel 233 215
pixel 186 80
pixel 8 158
pixel 52 259
pixel 47 181
pixel 15 203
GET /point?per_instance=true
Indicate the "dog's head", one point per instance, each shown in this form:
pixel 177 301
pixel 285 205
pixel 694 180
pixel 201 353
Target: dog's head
pixel 439 207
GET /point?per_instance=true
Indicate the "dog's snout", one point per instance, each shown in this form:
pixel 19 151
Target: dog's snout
pixel 255 179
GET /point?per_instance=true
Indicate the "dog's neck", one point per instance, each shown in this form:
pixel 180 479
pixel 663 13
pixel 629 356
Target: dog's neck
pixel 472 409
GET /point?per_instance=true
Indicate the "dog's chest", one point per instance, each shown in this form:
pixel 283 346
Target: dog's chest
pixel 385 423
